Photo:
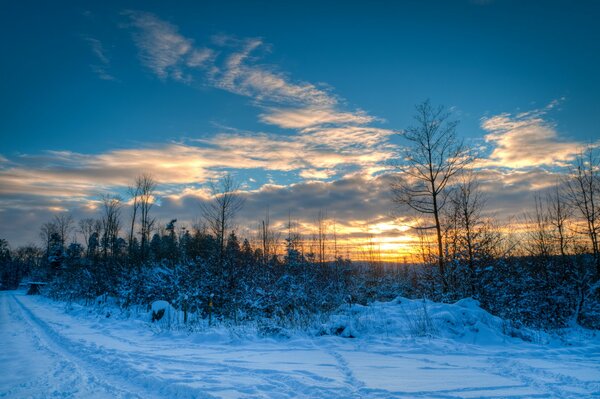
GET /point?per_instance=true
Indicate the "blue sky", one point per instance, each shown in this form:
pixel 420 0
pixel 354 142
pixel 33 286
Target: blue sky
pixel 90 92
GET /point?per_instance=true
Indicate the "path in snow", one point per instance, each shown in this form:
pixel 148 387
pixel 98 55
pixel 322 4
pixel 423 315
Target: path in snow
pixel 36 362
pixel 45 352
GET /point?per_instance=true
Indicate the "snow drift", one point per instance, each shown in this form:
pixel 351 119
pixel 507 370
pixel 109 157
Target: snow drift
pixel 463 321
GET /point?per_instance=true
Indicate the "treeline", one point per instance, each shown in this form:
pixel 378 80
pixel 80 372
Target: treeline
pixel 542 269
pixel 196 274
pixel 202 271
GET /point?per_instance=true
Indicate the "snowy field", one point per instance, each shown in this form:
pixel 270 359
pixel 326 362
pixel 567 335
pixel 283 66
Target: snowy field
pixel 402 349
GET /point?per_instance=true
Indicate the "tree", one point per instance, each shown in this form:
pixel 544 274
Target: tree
pixel 583 188
pixel 321 236
pixel 268 238
pixel 220 211
pixel 434 155
pixel 111 224
pixel 146 187
pixel 64 226
pixel 559 214
pixel 134 192
pixel 87 227
pixel 467 203
pixel 538 237
pixel 47 230
pixel 9 276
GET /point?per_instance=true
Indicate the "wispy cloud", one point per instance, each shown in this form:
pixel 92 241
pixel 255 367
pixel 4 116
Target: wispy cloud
pixel 163 49
pixel 241 75
pixel 327 134
pixel 527 139
pixel 307 118
pixel 101 67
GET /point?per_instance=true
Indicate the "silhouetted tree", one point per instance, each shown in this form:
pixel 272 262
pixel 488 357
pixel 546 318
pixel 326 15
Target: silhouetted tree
pixel 434 155
pixel 220 211
pixel 584 193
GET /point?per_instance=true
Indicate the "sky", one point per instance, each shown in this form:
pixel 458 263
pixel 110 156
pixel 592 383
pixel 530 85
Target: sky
pixel 303 102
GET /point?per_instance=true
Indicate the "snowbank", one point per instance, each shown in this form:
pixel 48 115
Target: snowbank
pixel 462 321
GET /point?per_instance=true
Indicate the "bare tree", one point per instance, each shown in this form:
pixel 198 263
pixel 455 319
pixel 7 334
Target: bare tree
pixel 221 210
pixel 111 223
pixel 64 225
pixel 267 237
pixel 558 215
pixel 134 192
pixel 583 188
pixel 538 237
pixel 294 245
pixel 145 186
pixel 47 230
pixel 322 227
pixel 434 155
pixel 86 229
pixel 467 204
pixel 335 242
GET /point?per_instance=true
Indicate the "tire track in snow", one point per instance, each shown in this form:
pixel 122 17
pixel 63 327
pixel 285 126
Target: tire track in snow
pixel 101 368
pixel 273 382
pixel 65 378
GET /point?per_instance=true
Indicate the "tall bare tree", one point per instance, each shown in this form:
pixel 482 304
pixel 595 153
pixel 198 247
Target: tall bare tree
pixel 583 189
pixel 433 156
pixel 64 226
pixel 146 186
pixel 111 224
pixel 220 211
pixel 47 230
pixel 559 214
pixel 467 204
pixel 538 237
pixel 322 236
pixel 134 192
pixel 86 229
pixel 268 237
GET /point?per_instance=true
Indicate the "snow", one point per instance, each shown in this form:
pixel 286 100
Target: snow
pixel 400 349
pixel 164 313
pixel 463 321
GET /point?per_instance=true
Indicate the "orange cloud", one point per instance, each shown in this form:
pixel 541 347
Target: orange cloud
pixel 527 140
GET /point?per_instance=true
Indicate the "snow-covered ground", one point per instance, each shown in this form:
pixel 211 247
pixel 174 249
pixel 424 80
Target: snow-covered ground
pixel 401 349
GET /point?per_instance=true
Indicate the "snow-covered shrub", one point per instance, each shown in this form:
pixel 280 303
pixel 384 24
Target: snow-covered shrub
pixel 163 314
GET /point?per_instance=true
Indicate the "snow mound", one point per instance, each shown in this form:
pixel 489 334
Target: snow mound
pixel 463 321
pixel 163 313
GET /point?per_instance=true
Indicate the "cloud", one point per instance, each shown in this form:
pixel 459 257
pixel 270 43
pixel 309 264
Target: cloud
pixel 509 192
pixel 307 118
pixel 240 75
pixel 163 49
pixel 328 136
pixel 527 140
pixel 356 203
pixel 101 68
pixel 169 54
pixel 316 174
pixel 360 206
pixel 66 173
